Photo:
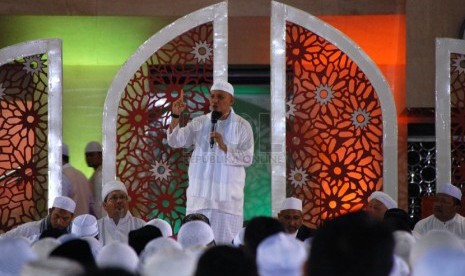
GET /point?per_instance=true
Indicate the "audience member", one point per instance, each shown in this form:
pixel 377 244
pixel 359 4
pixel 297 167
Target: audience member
pixel 93 154
pixel 57 222
pixel 85 226
pixel 445 213
pixel 290 215
pixel 156 245
pixel 118 255
pixel 118 222
pixel 397 219
pixel 226 261
pixel 76 250
pixel 195 234
pixel 161 224
pixel 258 229
pixel 139 238
pixel 170 262
pixel 15 252
pixel 44 246
pixel 53 266
pixel 379 203
pixel 195 216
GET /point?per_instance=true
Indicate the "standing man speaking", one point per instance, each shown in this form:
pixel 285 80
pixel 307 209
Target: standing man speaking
pixel 223 146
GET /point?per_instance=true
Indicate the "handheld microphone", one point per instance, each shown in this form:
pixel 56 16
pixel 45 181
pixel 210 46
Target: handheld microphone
pixel 215 116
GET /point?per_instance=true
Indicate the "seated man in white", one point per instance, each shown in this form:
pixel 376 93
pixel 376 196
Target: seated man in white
pixel 57 221
pixel 118 222
pixel 445 213
pixel 291 217
pixel 378 204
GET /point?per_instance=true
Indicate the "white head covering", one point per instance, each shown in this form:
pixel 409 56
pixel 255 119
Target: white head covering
pixel 93 147
pixel 95 245
pixel 64 149
pixel 223 86
pixel 291 203
pixel 53 266
pixel 111 186
pixel 117 254
pixel 441 261
pixel 65 203
pixel 170 262
pixel 14 253
pixel 280 254
pixel 195 233
pixel 399 267
pixel 383 198
pixel 403 244
pixel 239 238
pixel 434 240
pixel 164 226
pixel 44 246
pixel 155 246
pixel 85 226
pixel 451 190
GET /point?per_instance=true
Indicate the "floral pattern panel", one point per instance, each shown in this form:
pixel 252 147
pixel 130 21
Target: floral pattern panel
pixel 23 141
pixel 156 175
pixel 334 128
pixel 457 95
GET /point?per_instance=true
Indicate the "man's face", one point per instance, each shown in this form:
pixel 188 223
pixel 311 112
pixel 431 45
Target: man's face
pixel 93 159
pixel 291 220
pixel 116 204
pixel 444 207
pixel 221 101
pixel 376 209
pixel 59 218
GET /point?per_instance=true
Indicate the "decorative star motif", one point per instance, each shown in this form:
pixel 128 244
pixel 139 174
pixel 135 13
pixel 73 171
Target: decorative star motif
pixel 33 65
pixel 161 170
pixel 202 51
pixel 298 177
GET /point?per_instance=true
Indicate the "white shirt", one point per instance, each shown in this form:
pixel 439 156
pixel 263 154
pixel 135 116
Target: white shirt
pixel 76 186
pixel 96 187
pixel 216 178
pixel 456 225
pixel 110 232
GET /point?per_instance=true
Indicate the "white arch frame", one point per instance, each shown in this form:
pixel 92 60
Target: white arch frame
pixel 279 15
pixel 444 48
pixel 218 14
pixel 53 49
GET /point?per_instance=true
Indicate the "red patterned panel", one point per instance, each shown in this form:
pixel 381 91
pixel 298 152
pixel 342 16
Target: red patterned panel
pixel 23 141
pixel 334 128
pixel 457 94
pixel 156 174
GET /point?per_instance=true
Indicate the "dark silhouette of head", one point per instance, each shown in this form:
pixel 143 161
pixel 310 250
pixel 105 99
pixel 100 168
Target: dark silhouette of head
pixel 258 229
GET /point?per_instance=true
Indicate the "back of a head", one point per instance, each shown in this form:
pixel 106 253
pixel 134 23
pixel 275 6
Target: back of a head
pixel 76 250
pixel 258 229
pixel 441 261
pixel 14 254
pixel 138 238
pixel 195 234
pixel 226 261
pixel 118 255
pixel 397 219
pixel 352 244
pixel 53 266
pixel 170 262
pixel 165 227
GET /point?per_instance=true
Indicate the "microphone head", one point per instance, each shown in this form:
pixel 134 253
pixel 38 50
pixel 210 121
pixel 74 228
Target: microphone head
pixel 215 116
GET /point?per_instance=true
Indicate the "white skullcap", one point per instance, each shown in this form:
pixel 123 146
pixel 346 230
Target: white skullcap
pixel 451 190
pixel 64 150
pixel 239 238
pixel 403 243
pixel 85 226
pixel 170 262
pixel 383 198
pixel 223 86
pixel 156 245
pixel 399 267
pixel 65 203
pixel 281 254
pixel 443 261
pixel 164 226
pixel 291 203
pixel 14 253
pixel 119 255
pixel 433 240
pixel 111 186
pixel 53 266
pixel 195 233
pixel 44 246
pixel 95 245
pixel 93 147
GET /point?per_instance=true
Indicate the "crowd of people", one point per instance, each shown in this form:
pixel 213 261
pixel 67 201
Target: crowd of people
pixel 90 230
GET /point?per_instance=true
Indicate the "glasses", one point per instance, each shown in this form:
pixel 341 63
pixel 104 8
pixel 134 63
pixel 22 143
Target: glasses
pixel 120 197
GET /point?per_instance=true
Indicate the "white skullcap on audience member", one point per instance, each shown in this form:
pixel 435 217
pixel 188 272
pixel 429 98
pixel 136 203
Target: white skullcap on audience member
pixel 67 237
pixel 170 262
pixel 291 203
pixel 95 245
pixel 156 245
pixel 118 255
pixel 239 238
pixel 195 233
pixel 279 255
pixel 93 147
pixel 52 266
pixel 65 203
pixel 14 253
pixel 441 262
pixel 223 86
pixel 451 190
pixel 383 198
pixel 111 186
pixel 403 243
pixel 85 226
pixel 161 224
pixel 434 240
pixel 44 246
pixel 399 267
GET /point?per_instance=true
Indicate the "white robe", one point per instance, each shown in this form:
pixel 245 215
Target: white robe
pixel 110 232
pixel 96 187
pixel 456 225
pixel 76 186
